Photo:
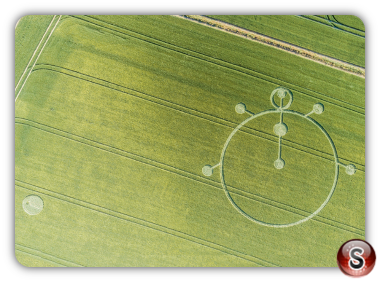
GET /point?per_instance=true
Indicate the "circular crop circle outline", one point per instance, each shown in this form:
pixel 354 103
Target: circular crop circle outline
pixel 225 186
pixel 286 91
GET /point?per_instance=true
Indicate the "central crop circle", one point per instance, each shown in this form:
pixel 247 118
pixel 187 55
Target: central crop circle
pixel 280 129
pixel 278 165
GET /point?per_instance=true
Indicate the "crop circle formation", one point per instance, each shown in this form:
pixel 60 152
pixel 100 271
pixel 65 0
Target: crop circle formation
pixel 240 108
pixel 280 129
pixel 32 204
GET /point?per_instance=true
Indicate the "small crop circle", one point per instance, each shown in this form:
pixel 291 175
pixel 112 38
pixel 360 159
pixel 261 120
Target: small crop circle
pixel 350 169
pixel 207 170
pixel 280 129
pixel 32 204
pixel 318 108
pixel 279 163
pixel 281 93
pixel 240 108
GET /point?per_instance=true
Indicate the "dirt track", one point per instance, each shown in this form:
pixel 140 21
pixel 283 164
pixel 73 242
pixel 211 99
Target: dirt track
pixel 296 50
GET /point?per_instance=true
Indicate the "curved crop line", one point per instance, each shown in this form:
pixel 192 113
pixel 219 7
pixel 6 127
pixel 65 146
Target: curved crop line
pixel 191 178
pixel 334 21
pixel 325 20
pixel 216 185
pixel 145 223
pixel 234 68
pixel 39 43
pixel 333 26
pixel 230 123
pixel 262 222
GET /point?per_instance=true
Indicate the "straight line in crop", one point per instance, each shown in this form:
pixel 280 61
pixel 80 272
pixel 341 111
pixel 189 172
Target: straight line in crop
pixel 39 43
pixel 39 54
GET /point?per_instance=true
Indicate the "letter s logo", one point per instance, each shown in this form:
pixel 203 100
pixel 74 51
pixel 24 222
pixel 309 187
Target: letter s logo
pixel 356 261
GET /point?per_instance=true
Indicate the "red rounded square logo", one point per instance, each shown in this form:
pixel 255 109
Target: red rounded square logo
pixel 356 258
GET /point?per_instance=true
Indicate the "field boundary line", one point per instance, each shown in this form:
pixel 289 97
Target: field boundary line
pixel 38 57
pixel 225 64
pixel 33 251
pixel 144 223
pixel 186 174
pixel 275 43
pixel 196 113
pixel 35 51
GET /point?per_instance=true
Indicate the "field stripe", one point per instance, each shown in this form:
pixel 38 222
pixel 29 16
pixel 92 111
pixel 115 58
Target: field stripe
pixel 201 115
pixel 335 25
pixel 194 112
pixel 182 173
pixel 234 66
pixel 43 255
pixel 37 256
pixel 38 57
pixel 39 43
pixel 146 224
pixel 278 44
pixel 225 64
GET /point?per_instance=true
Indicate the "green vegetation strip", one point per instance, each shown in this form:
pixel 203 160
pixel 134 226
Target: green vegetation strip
pixel 125 235
pixel 186 80
pixel 264 133
pixel 235 54
pixel 208 183
pixel 322 59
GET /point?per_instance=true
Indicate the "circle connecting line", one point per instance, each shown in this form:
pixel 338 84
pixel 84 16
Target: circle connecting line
pixel 280 129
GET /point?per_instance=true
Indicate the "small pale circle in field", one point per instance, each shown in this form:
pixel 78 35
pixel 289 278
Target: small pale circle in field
pixel 280 129
pixel 281 93
pixel 279 163
pixel 240 108
pixel 318 108
pixel 350 169
pixel 32 204
pixel 207 170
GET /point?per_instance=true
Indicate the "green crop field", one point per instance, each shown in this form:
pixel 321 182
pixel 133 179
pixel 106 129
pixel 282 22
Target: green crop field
pixel 115 117
pixel 345 41
pixel 28 34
